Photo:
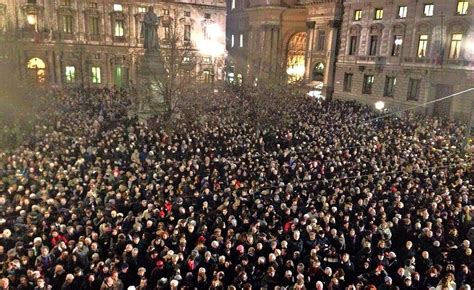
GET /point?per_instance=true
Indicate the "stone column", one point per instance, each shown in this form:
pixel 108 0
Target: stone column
pixel 274 50
pixel 309 48
pixel 266 50
pixel 328 88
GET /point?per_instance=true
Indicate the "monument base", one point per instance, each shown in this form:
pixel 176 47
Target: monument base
pixel 150 74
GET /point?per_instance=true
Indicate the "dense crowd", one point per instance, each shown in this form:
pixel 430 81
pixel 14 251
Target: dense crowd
pixel 334 198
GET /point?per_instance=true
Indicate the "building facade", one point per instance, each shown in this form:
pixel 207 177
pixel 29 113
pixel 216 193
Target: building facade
pixel 100 42
pixel 402 52
pixel 283 40
pixel 406 53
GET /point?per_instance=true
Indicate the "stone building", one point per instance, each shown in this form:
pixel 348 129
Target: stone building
pixel 406 53
pixel 401 52
pixel 291 38
pixel 99 42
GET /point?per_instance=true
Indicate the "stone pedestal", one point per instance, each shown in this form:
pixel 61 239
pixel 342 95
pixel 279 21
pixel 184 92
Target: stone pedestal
pixel 149 75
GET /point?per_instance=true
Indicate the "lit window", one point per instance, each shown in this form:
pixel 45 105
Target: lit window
pixel 413 89
pixel 422 45
pixel 187 13
pixel 118 7
pixel 206 60
pixel 230 77
pixel 207 15
pixel 241 40
pixel 93 5
pixel 357 15
pixel 232 40
pixel 389 90
pixel 187 33
pixel 455 47
pixel 96 78
pixel 397 45
pixel 66 2
pixel 378 13
pixel 119 28
pixel 206 76
pixel 166 12
pixel 186 59
pixel 367 85
pixel 462 7
pixel 428 10
pixel 402 11
pixel 70 72
pixel 67 24
pixel 141 9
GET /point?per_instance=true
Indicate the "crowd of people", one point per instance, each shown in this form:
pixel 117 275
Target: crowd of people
pixel 333 198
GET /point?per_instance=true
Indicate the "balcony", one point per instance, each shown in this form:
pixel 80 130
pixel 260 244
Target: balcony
pixel 437 63
pixel 364 59
pixel 372 59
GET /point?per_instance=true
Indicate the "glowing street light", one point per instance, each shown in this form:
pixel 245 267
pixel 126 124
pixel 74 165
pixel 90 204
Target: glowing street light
pixel 380 105
pixel 211 46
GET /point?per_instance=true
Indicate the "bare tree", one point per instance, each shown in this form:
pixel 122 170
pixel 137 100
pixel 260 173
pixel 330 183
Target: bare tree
pixel 179 63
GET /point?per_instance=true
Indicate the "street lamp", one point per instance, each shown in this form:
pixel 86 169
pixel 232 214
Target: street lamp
pixel 380 105
pixel 210 45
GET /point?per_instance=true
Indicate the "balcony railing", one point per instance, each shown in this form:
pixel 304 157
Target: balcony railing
pixel 406 61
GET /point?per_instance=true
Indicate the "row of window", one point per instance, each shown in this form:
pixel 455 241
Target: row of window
pixel 117 7
pixel 142 9
pixel 70 74
pixel 413 92
pixel 118 28
pixel 428 11
pixel 397 43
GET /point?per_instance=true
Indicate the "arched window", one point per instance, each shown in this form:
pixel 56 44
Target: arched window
pixel 38 67
pixel 296 56
pixel 375 38
pixel 354 38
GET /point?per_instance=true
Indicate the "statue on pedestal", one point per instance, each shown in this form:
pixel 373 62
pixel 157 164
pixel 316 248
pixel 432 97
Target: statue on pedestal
pixel 149 30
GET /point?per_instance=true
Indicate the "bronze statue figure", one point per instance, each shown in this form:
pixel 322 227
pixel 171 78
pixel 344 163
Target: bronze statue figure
pixel 149 30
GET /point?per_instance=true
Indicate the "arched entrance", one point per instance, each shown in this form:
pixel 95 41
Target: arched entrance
pixel 318 72
pixel 296 57
pixel 37 70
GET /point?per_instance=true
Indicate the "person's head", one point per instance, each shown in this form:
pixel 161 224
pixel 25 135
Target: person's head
pixel 425 254
pixel 40 282
pixel 408 281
